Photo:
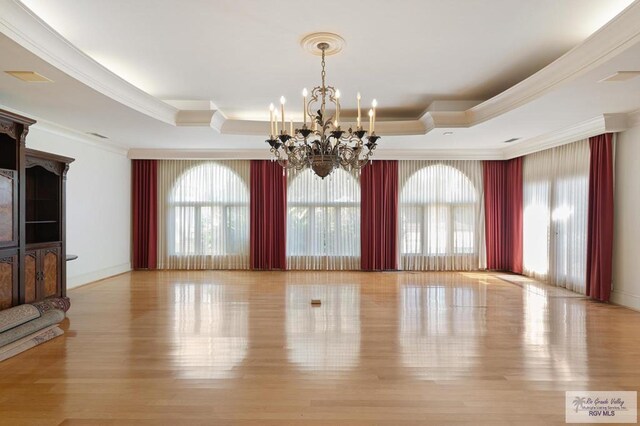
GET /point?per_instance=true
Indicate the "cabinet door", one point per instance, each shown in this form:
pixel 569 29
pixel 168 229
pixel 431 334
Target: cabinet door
pixel 8 206
pixel 30 276
pixel 8 278
pixel 51 271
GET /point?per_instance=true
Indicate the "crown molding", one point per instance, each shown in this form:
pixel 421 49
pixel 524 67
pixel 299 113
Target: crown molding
pixel 199 154
pixel 264 154
pixel 56 129
pixel 605 123
pixel 633 119
pixel 617 35
pixel 217 121
pixel 65 132
pixel 24 27
pixel 28 30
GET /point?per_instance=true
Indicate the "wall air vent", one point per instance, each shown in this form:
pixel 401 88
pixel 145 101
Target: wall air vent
pixel 621 76
pixel 29 76
pixel 97 135
pixel 511 140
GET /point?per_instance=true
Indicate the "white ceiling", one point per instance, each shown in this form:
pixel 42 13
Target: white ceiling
pixel 237 55
pixel 245 54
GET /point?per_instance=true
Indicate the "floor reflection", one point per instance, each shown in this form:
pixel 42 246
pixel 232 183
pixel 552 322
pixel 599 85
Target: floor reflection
pixel 210 328
pixel 554 336
pixel 441 325
pixel 325 337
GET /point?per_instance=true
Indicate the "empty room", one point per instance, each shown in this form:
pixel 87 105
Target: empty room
pixel 237 212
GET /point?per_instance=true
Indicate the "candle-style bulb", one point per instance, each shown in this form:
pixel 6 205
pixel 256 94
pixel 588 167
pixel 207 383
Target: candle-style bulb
pixel 282 100
pixel 271 107
pixel 304 92
pixel 370 113
pixel 374 103
pixel 359 96
pixel 337 94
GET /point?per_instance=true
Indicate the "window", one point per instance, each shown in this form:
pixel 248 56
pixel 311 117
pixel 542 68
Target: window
pixel 206 214
pixel 555 202
pixel 323 221
pixel 439 214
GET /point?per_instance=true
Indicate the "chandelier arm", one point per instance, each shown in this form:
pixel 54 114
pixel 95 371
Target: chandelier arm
pixel 324 146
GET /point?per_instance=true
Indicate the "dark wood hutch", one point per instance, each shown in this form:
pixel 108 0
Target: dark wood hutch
pixel 32 217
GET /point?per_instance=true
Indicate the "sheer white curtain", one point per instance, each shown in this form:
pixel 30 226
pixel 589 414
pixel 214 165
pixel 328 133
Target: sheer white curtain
pixel 441 215
pixel 203 214
pixel 323 221
pixel 555 202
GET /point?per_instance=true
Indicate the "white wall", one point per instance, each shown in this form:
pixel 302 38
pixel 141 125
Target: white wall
pixel 626 248
pixel 98 204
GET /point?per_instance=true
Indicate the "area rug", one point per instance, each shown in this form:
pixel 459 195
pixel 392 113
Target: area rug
pixel 29 342
pixel 51 317
pixel 13 317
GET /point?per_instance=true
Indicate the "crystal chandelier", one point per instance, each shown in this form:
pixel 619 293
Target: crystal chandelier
pixel 323 146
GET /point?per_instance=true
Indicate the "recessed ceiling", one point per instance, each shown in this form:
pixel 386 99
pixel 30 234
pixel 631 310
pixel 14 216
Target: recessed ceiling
pixel 412 56
pixel 245 54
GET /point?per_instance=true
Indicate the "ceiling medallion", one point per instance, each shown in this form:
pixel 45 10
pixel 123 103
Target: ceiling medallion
pixel 321 145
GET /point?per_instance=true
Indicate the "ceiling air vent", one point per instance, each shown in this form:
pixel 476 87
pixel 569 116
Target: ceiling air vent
pixel 29 76
pixel 621 76
pixel 97 135
pixel 511 140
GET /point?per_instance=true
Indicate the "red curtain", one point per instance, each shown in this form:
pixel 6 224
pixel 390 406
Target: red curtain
pixel 600 222
pixel 145 213
pixel 379 216
pixel 503 214
pixel 268 215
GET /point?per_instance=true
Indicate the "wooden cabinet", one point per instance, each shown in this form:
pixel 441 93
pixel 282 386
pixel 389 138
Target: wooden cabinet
pixel 32 217
pixel 8 278
pixel 43 272
pixel 8 208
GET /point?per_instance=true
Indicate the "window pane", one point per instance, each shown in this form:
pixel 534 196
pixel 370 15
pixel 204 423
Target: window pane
pixel 437 213
pixel 323 218
pixel 536 219
pixel 410 230
pixel 185 230
pixel 463 229
pixel 236 222
pixel 436 221
pixel 211 203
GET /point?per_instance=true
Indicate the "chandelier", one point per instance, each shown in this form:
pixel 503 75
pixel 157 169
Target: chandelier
pixel 322 145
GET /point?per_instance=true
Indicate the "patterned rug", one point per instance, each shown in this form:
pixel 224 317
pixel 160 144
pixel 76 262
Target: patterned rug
pixel 29 342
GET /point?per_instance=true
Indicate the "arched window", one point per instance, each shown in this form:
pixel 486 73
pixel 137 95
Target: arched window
pixel 206 214
pixel 323 221
pixel 440 215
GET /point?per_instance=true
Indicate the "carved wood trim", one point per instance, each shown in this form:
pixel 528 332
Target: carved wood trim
pixel 9 259
pixel 10 129
pixel 23 136
pixel 52 166
pixel 10 174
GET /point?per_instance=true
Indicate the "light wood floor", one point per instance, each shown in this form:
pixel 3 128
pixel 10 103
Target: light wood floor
pixel 247 348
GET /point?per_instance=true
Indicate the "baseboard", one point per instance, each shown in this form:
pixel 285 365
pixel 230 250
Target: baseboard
pixel 628 300
pixel 101 274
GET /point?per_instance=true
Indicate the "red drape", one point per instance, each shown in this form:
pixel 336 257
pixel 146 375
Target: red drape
pixel 145 213
pixel 600 222
pixel 379 216
pixel 503 214
pixel 268 215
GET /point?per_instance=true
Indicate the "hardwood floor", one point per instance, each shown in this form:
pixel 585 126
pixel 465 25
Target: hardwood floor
pixel 247 348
